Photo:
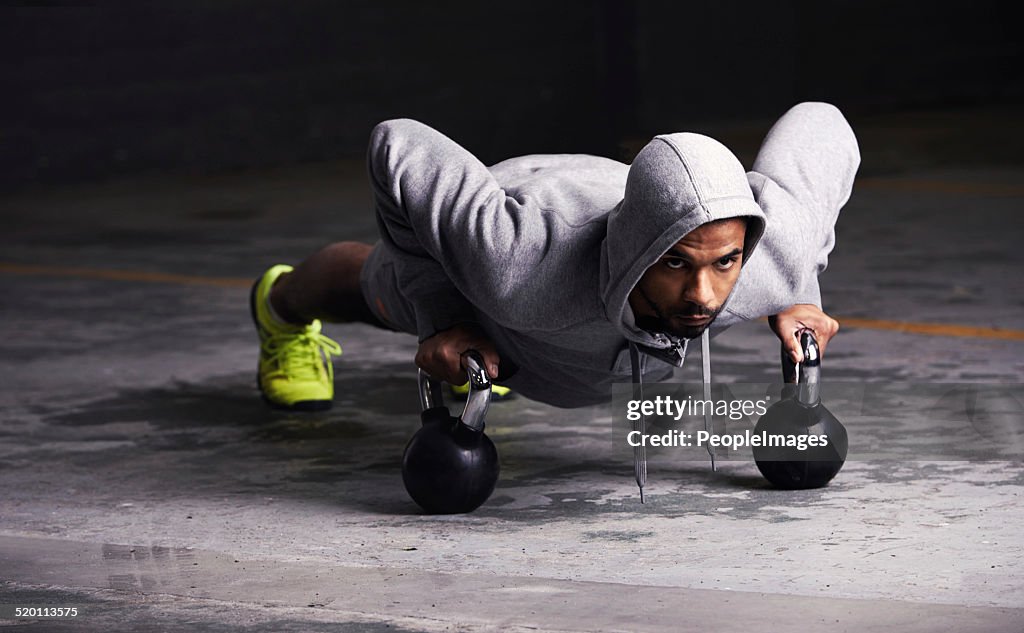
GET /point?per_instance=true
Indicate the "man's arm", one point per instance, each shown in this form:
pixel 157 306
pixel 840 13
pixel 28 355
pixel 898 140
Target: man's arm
pixel 810 156
pixel 458 235
pixel 462 243
pixel 801 178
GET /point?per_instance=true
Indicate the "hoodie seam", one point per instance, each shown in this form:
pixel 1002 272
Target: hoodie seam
pixel 555 212
pixel 700 194
pixel 736 197
pixel 741 315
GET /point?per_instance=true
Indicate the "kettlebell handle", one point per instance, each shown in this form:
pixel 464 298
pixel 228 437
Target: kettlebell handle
pixel 478 400
pixel 807 374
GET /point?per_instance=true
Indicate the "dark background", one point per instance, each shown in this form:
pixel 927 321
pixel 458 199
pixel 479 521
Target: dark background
pixel 96 90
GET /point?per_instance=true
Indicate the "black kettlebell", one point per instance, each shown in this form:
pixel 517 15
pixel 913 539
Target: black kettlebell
pixel 450 466
pixel 801 413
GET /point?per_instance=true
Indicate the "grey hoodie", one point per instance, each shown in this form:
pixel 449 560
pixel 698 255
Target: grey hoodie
pixel 542 251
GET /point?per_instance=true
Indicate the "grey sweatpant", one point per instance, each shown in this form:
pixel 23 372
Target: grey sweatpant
pixel 381 291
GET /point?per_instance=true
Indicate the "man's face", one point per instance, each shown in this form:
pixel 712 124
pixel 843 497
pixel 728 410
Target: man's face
pixel 683 292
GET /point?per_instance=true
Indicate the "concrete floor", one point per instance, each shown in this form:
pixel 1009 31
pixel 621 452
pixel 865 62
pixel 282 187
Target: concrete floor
pixel 142 479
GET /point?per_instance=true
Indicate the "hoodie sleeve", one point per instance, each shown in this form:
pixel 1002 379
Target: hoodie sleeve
pixel 802 177
pixel 461 241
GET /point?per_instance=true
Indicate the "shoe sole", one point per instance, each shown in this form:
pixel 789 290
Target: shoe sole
pixel 301 405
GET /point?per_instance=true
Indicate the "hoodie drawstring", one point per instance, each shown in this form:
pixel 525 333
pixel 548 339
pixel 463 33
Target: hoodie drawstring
pixel 639 452
pixel 705 357
pixel 636 363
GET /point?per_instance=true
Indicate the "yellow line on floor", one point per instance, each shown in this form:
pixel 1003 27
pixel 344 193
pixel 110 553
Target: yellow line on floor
pixel 933 329
pixel 124 275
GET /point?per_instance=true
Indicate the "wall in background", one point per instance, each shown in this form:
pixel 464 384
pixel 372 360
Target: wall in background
pixel 96 91
pixel 741 59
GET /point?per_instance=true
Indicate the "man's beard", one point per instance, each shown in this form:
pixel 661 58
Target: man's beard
pixel 663 321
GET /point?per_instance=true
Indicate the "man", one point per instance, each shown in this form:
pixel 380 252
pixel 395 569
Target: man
pixel 554 266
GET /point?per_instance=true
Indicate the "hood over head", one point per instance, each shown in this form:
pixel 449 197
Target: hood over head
pixel 676 183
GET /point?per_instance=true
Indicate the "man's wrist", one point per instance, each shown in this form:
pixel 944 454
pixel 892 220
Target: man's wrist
pixel 441 311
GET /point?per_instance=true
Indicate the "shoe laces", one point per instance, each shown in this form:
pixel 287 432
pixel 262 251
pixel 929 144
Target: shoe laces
pixel 301 355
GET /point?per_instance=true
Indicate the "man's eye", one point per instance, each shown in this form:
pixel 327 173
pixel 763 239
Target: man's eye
pixel 675 264
pixel 726 262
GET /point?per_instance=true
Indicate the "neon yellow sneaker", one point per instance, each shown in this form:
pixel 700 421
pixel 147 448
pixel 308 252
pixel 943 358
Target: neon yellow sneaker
pixel 498 393
pixel 295 369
